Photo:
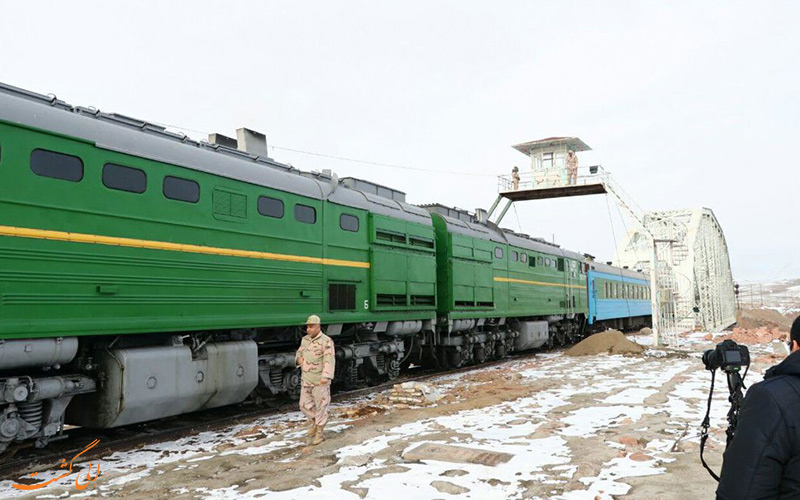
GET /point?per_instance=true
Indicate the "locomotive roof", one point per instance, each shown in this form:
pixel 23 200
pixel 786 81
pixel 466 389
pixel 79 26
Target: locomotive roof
pixel 135 137
pixel 489 231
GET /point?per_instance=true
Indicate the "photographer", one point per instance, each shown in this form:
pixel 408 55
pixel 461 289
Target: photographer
pixel 763 460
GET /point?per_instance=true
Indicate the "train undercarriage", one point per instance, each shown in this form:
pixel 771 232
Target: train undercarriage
pixel 102 382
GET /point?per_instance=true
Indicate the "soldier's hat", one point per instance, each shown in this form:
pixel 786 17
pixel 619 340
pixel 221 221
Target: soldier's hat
pixel 313 320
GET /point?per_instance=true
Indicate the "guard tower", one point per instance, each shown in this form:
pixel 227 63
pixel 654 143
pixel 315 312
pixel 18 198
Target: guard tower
pixel 700 301
pixel 547 175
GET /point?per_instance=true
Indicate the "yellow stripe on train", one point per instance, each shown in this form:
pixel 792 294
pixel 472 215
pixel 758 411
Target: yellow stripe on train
pixel 44 234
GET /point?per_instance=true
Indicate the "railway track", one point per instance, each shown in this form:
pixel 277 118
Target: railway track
pixel 22 461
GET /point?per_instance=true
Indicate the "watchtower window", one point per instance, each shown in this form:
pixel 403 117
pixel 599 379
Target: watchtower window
pixel 56 165
pixel 547 160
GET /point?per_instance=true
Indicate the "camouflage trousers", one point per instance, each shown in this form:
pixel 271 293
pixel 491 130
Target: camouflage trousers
pixel 314 402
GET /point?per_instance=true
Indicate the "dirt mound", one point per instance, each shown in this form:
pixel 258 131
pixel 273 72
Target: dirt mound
pixel 761 335
pixel 752 319
pixel 612 342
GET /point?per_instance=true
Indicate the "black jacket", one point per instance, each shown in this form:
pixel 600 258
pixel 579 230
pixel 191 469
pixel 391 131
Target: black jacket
pixel 763 460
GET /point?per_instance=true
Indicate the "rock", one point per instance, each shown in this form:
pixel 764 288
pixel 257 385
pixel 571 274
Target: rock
pixel 640 457
pixel 454 473
pixel 628 441
pixel 708 336
pixel 450 488
pixel 355 461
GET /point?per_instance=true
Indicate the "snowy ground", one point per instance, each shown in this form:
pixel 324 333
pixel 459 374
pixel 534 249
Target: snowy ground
pixel 578 428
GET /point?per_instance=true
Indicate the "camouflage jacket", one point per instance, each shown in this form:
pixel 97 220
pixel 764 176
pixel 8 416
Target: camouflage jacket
pixel 318 359
pixel 572 162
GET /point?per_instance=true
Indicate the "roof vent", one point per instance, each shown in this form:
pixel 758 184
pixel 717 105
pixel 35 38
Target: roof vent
pixel 222 140
pixel 252 142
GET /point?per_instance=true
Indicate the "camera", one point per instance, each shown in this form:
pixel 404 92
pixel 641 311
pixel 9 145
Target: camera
pixel 727 356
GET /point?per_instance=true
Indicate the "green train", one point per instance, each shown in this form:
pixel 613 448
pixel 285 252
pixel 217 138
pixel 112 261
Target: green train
pixel 144 274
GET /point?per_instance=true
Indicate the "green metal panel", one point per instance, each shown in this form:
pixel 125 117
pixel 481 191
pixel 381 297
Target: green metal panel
pixel 101 261
pixel 403 265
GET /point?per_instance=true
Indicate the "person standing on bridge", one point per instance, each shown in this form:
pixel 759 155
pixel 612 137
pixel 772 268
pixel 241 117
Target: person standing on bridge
pixel 572 168
pixel 316 360
pixel 515 178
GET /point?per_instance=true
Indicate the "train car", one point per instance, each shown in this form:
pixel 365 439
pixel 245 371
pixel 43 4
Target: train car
pixel 144 275
pixel 500 291
pixel 618 298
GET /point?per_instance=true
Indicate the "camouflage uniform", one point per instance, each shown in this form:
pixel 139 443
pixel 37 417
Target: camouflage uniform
pixel 572 169
pixel 318 363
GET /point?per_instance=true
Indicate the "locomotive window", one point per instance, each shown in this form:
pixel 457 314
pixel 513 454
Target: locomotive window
pixel 56 165
pixel 348 222
pixel 179 189
pixel 514 255
pixel 539 261
pixel 547 262
pixel 498 252
pixel 122 178
pixel 305 214
pixel 532 261
pixel 270 207
pixel 523 257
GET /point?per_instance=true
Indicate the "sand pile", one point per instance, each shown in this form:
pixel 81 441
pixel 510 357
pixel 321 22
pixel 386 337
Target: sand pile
pixel 612 342
pixel 761 335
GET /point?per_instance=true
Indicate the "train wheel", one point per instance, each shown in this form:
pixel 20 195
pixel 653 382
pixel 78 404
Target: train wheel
pixel 292 383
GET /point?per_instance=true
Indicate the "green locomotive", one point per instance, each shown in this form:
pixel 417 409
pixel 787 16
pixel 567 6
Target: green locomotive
pixel 144 274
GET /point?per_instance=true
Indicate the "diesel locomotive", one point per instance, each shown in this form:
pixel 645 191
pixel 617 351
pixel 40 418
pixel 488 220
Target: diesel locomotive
pixel 144 274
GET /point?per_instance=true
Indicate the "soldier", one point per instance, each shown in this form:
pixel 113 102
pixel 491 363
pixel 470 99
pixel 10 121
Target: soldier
pixel 515 178
pixel 316 360
pixel 572 168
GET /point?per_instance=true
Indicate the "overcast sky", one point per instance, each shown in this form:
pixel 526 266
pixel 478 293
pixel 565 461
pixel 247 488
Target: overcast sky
pixel 688 104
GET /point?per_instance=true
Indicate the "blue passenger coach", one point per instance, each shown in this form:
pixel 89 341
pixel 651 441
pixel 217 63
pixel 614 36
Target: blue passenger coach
pixel 618 298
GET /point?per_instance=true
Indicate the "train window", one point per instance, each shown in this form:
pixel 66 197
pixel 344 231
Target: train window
pixel 523 257
pixel 179 189
pixel 270 207
pixel 305 214
pixel 539 261
pixel 560 265
pixel 348 222
pixel 514 255
pixel 56 165
pixel 498 253
pixel 532 260
pixel 547 262
pixel 122 178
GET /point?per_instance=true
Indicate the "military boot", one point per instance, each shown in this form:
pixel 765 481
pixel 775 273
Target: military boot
pixel 318 438
pixel 312 431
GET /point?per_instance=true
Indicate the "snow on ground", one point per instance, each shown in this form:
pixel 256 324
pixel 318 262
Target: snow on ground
pixel 577 427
